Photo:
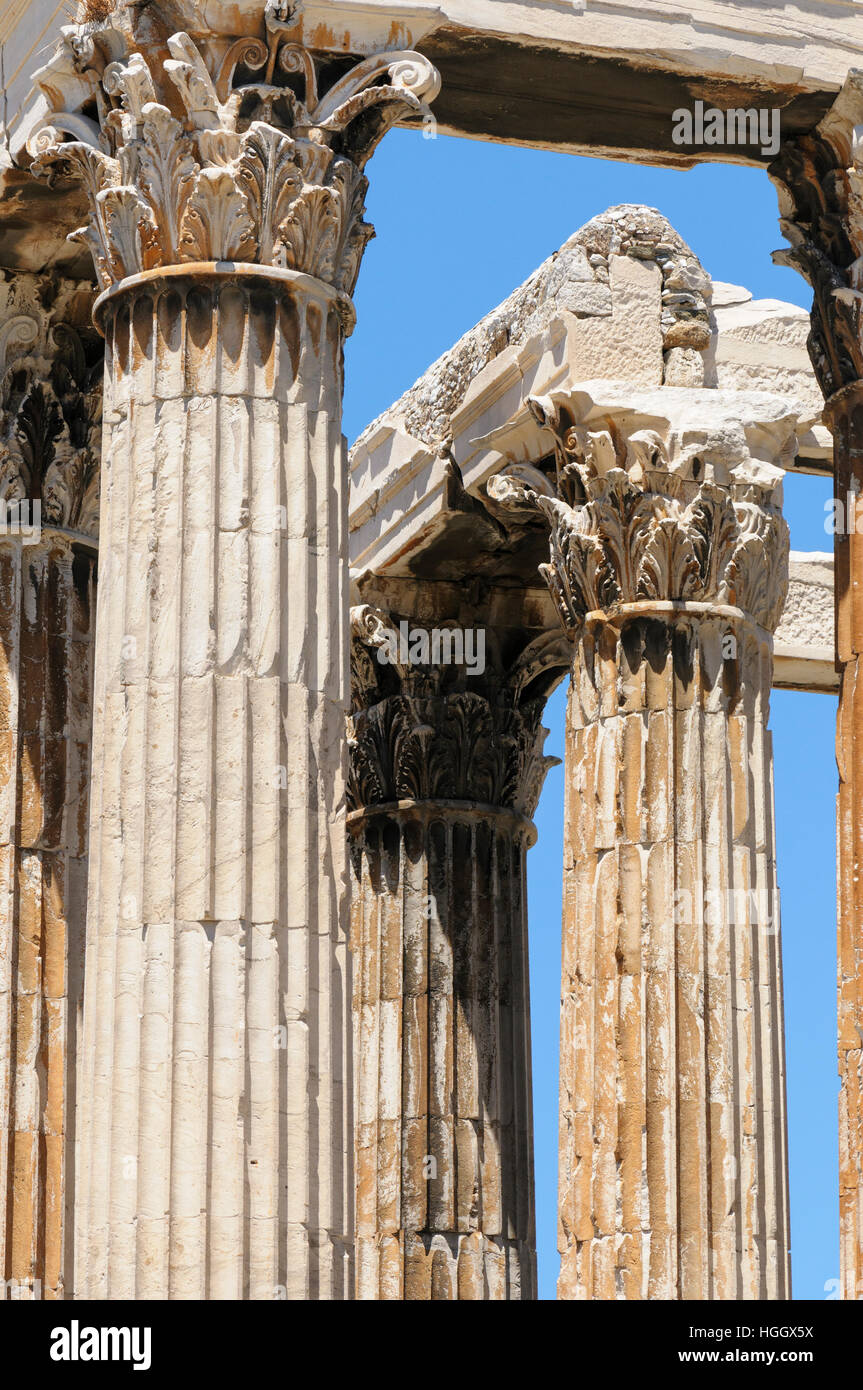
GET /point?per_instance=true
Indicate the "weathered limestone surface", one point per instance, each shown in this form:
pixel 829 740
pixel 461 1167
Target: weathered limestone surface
pixel 207 362
pixel 668 569
pixel 803 650
pixel 761 344
pixel 819 178
pixel 446 769
pixel 50 409
pixel 215 1098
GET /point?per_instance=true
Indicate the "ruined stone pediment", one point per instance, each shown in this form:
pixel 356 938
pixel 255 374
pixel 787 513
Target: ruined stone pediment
pixel 626 322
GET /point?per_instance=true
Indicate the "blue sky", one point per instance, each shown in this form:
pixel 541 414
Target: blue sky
pixel 460 224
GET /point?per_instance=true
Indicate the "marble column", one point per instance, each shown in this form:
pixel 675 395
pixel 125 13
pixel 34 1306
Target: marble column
pixel 844 415
pixel 446 769
pixel 819 178
pixel 50 408
pixel 668 567
pixel 227 233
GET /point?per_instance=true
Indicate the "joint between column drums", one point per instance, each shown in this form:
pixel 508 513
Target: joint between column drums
pixel 49 534
pixel 675 608
pixel 436 809
pixel 229 272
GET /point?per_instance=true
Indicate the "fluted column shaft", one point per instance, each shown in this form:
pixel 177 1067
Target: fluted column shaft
pixel 673 1163
pixel 845 414
pixel 225 219
pixel 668 565
pixel 446 768
pixel 46 608
pixel 444 1145
pixel 819 179
pixel 214 1108
pixel 50 409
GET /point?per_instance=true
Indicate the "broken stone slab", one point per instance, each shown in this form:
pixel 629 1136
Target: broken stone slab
pixel 762 343
pixel 804 657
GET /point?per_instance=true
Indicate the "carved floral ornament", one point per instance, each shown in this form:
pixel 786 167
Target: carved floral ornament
pixel 819 178
pixel 50 404
pixel 632 520
pixel 180 166
pixel 411 737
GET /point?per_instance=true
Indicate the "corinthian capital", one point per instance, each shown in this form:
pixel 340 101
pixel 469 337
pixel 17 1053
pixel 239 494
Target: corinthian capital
pixel 650 501
pixel 425 729
pixel 819 178
pixel 247 150
pixel 50 401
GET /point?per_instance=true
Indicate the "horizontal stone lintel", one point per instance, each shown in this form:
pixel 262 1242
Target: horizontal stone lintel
pixel 577 76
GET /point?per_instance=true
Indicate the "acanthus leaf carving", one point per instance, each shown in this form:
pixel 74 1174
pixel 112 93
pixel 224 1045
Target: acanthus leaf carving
pixel 819 177
pixel 253 173
pixel 166 173
pixel 459 747
pixel 130 231
pixel 310 233
pixel 355 234
pixel 216 224
pixel 98 172
pixel 50 402
pixel 426 736
pixel 650 531
pixel 272 181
